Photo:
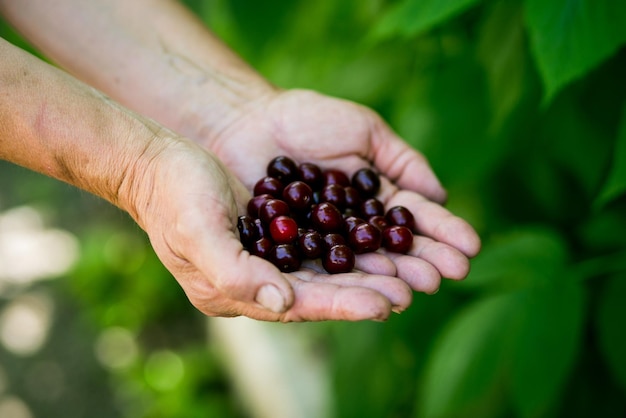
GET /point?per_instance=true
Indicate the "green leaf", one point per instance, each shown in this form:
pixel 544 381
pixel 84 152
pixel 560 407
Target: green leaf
pixel 546 349
pixel 571 37
pixel 517 260
pixel 610 317
pixel 463 376
pixel 615 184
pixel 411 17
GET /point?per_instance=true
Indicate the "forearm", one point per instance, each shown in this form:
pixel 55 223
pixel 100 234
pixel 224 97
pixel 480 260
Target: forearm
pixel 56 125
pixel 153 56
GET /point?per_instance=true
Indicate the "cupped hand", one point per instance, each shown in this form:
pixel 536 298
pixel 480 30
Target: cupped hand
pixel 188 204
pixel 334 133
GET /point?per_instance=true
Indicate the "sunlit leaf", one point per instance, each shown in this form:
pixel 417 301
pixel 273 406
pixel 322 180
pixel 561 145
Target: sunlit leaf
pixel 547 346
pixel 611 316
pixel 571 37
pixel 616 182
pixel 411 17
pixel 467 361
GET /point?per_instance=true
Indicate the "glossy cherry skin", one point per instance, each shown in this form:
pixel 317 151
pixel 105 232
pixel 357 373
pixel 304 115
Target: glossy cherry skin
pixel 336 177
pixel 399 215
pixel 325 217
pixel 311 244
pixel 353 199
pixel 271 209
pixel 378 221
pixel 283 168
pixel 261 247
pixel 311 174
pixel 350 222
pixel 283 229
pixel 247 230
pixel 285 257
pixel 262 230
pixel 335 194
pixel 365 238
pixel 298 195
pixel 269 185
pixel 372 207
pixel 398 239
pixel 367 182
pixel 339 259
pixel 332 238
pixel 255 203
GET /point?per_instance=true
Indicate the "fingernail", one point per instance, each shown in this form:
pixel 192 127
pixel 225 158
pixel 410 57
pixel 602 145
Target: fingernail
pixel 270 298
pixel 397 309
pixel 433 293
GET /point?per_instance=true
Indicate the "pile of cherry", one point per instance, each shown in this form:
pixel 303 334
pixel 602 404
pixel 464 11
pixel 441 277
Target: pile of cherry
pixel 303 212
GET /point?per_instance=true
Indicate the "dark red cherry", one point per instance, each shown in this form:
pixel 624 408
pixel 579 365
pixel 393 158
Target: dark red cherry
pixel 268 185
pixel 311 244
pixel 367 182
pixel 285 257
pixel 247 230
pixel 255 203
pixel 352 221
pixel 261 247
pixel 353 200
pixel 399 215
pixel 283 168
pixel 262 229
pixel 335 194
pixel 332 238
pixel 365 238
pixel 283 229
pixel 311 174
pixel 378 221
pixel 398 239
pixel 339 259
pixel 325 217
pixel 372 207
pixel 298 195
pixel 271 209
pixel 336 177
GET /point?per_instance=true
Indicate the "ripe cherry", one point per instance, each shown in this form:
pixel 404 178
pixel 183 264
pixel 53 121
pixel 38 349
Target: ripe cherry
pixel 336 177
pixel 261 247
pixel 298 195
pixel 247 230
pixel 398 239
pixel 350 222
pixel 399 215
pixel 268 185
pixel 365 238
pixel 311 244
pixel 372 207
pixel 339 259
pixel 283 229
pixel 283 168
pixel 332 238
pixel 311 174
pixel 367 182
pixel 325 217
pixel 255 203
pixel 378 221
pixel 271 209
pixel 285 257
pixel 335 194
pixel 353 200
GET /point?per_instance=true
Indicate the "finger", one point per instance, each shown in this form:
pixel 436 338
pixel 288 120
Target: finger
pixel 419 274
pixel 436 222
pixel 403 165
pixel 450 262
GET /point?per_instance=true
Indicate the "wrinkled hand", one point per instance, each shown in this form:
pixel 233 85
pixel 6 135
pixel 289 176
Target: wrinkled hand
pixel 334 133
pixel 188 203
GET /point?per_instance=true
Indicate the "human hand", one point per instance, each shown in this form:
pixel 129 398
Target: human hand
pixel 334 133
pixel 188 203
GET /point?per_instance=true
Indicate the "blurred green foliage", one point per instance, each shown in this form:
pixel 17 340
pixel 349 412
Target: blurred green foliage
pixel 519 106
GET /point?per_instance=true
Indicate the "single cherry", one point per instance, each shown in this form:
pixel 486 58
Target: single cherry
pixel 336 177
pixel 378 221
pixel 311 244
pixel 367 182
pixel 261 247
pixel 372 207
pixel 283 168
pixel 325 217
pixel 271 209
pixel 353 199
pixel 339 259
pixel 335 194
pixel 399 215
pixel 365 238
pixel 283 229
pixel 268 185
pixel 398 239
pixel 352 221
pixel 247 230
pixel 285 257
pixel 311 174
pixel 298 195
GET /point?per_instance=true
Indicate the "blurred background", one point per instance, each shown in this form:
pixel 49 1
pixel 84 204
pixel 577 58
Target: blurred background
pixel 520 108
